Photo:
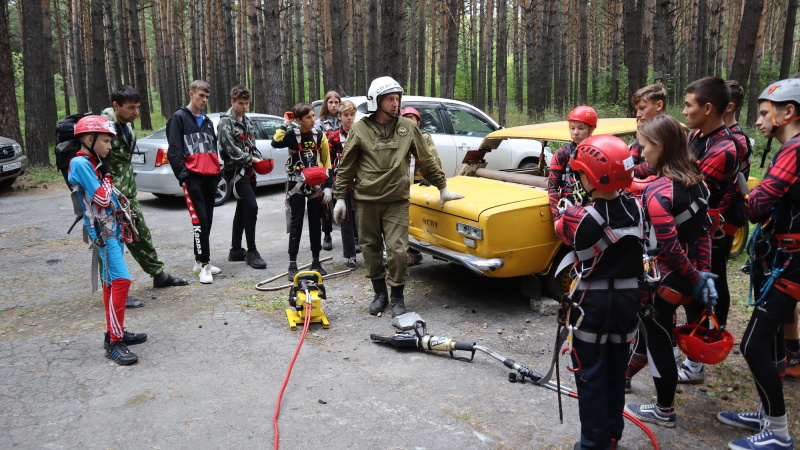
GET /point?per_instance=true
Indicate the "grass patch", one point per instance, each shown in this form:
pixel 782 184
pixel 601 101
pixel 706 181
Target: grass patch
pixel 244 284
pixel 140 399
pixel 260 303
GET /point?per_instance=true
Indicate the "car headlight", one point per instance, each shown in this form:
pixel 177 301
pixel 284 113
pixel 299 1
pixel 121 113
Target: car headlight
pixel 17 149
pixel 469 230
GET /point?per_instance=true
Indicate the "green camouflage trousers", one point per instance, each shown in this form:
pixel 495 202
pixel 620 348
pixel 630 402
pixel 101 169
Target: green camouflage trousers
pixel 142 250
pixel 382 223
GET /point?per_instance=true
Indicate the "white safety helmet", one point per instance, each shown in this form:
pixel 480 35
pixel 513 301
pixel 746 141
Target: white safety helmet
pixel 381 86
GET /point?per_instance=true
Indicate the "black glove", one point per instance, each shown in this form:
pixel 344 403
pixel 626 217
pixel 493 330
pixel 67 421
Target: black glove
pixel 424 182
pixel 704 290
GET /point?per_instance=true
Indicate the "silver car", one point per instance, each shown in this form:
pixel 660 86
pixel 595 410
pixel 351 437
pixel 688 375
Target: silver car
pixel 154 174
pixel 458 127
pixel 13 162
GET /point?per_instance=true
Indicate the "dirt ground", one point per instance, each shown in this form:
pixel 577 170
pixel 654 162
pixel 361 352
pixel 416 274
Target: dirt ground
pixel 216 356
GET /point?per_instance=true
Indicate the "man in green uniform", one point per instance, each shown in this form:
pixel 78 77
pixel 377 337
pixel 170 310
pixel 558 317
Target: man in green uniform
pixel 376 162
pixel 124 110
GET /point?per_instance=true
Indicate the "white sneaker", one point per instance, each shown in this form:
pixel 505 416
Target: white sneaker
pixel 687 375
pixel 214 269
pixel 205 274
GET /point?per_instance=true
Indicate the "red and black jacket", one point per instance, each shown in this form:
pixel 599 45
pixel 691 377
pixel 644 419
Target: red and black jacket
pixel 561 180
pixel 719 158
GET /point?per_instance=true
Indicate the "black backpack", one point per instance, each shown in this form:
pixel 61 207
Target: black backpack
pixel 66 144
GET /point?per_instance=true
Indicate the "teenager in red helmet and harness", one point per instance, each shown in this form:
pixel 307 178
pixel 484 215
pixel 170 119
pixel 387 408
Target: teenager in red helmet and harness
pixel 308 183
pixel 775 269
pixel 582 122
pixel 675 205
pixel 107 219
pixel 601 310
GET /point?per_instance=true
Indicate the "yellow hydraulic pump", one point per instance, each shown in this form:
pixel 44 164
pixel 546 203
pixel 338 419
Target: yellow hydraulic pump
pixel 305 297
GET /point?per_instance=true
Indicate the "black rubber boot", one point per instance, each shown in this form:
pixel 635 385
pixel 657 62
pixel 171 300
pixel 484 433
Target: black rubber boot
pixel 381 299
pixel 398 305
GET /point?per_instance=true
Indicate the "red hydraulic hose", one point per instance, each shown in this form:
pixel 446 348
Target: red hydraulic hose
pixel 306 323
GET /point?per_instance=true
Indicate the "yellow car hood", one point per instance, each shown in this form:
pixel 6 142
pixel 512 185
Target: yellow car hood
pixel 480 194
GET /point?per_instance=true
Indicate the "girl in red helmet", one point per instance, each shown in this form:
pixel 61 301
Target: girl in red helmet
pixel 601 313
pixel 102 210
pixel 582 122
pixel 675 204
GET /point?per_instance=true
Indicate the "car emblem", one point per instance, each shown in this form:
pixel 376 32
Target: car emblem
pixel 402 131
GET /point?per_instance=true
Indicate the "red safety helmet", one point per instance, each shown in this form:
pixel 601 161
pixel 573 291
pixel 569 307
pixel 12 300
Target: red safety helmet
pixel 585 114
pixel 264 166
pixel 704 345
pixel 605 160
pixel 95 124
pixel 638 185
pixel 314 176
pixel 413 111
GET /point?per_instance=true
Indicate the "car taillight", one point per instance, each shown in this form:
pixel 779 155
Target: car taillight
pixel 161 157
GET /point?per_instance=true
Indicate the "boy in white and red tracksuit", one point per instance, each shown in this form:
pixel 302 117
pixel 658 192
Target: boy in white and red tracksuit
pixel 102 218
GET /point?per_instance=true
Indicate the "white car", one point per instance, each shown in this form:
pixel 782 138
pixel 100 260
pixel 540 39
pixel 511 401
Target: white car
pixel 456 128
pixel 154 174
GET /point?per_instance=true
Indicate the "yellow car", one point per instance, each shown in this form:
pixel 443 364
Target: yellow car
pixel 503 227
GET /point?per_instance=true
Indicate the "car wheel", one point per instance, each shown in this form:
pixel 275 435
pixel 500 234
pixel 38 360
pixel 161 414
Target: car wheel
pixel 224 189
pixel 7 183
pixel 555 284
pixel 740 240
pixel 163 195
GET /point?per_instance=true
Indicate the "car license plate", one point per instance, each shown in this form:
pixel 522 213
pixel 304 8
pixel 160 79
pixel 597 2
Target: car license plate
pixel 12 166
pixel 137 158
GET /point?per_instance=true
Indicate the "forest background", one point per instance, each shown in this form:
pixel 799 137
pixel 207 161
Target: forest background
pixel 522 61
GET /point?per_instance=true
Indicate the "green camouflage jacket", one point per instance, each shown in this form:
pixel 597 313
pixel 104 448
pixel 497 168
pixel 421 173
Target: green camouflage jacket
pixel 119 159
pixel 235 138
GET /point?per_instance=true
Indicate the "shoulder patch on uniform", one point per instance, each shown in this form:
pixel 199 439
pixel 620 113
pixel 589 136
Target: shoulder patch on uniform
pixel 402 131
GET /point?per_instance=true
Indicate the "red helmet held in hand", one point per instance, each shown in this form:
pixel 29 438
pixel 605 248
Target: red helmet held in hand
pixel 264 166
pixel 585 114
pixel 606 162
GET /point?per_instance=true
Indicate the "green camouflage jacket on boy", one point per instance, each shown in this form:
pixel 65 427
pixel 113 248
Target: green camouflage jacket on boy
pixel 119 158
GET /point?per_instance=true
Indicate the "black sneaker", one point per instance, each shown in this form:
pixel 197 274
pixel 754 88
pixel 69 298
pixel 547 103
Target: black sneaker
pixel 255 260
pixel 358 248
pixel 316 266
pixel 351 263
pixel 128 338
pixel 327 243
pixel 132 302
pixel 237 254
pixel 292 271
pixel 119 352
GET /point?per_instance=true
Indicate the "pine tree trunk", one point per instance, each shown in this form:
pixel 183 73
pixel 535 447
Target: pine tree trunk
pixel 36 126
pixel 257 86
pixel 49 107
pixel 519 45
pixel 451 17
pixel 788 38
pixel 373 58
pixel 473 52
pixel 480 99
pixel 326 41
pixel 633 46
pixel 746 42
pixel 99 92
pixel 9 115
pixel 392 40
pixel 490 56
pixel 111 43
pixel 63 57
pixel 358 42
pixel 296 55
pixel 502 61
pixel 411 38
pixel 552 47
pixel 434 39
pixel 583 54
pixel 339 44
pixel 312 56
pixel 421 38
pixel 124 44
pixel 138 65
pixel 529 16
pixel 272 73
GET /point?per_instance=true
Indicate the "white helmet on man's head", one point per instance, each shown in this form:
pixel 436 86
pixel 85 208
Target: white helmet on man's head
pixel 381 86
